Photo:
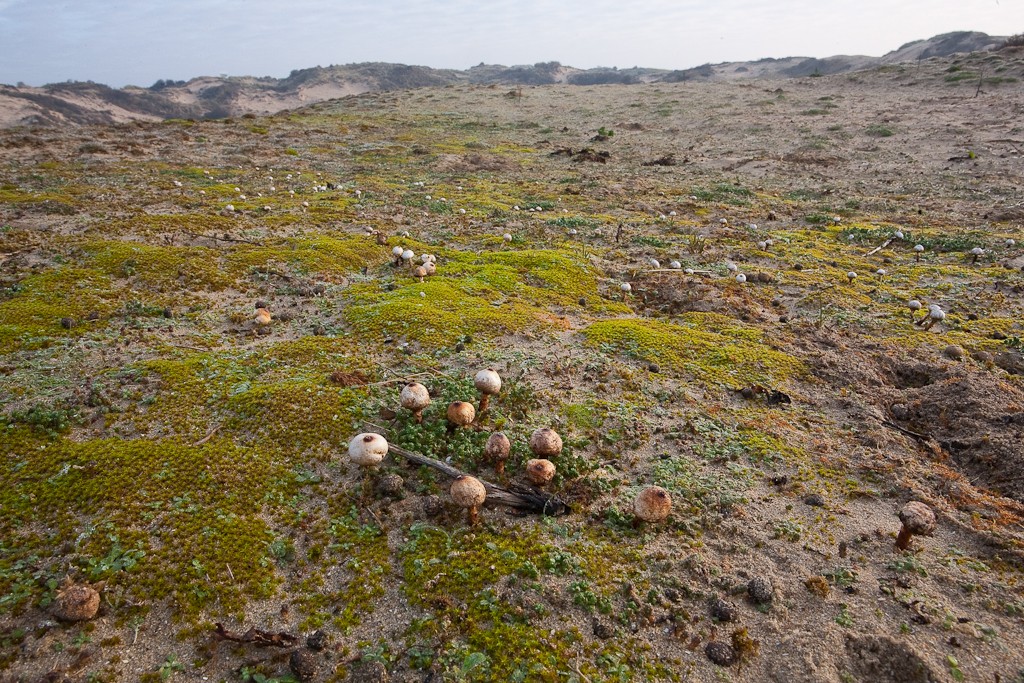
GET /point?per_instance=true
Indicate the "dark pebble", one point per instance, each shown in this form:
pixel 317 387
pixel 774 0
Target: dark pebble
pixel 168 313
pixel 722 611
pixel 815 500
pixel 653 367
pixel 93 315
pixel 720 653
pixel 391 485
pixel 899 411
pixel 760 590
pixel 304 664
pixel 779 480
pixel 67 323
pixel 460 347
pixel 317 641
pixel 602 629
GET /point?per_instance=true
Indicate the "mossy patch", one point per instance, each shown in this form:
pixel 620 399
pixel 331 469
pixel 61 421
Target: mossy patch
pixel 733 356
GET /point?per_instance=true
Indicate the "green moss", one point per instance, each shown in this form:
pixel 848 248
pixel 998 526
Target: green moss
pixel 732 355
pixel 159 267
pixel 41 301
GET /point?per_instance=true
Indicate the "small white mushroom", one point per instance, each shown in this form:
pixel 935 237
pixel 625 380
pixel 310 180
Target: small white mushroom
pixel 367 450
pixel 468 492
pixel 851 276
pixel 741 278
pixel 918 250
pixel 488 383
pixel 898 234
pixel 507 237
pixel 654 263
pixel 676 265
pixel 975 253
pixel 731 267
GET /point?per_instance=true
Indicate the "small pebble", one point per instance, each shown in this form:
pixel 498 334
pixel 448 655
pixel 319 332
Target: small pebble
pixel 653 367
pixel 304 664
pixel 723 611
pixel 602 629
pixel 953 352
pixel 720 653
pixel 815 500
pixel 760 590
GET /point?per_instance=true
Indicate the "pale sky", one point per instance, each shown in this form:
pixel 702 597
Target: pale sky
pixel 136 42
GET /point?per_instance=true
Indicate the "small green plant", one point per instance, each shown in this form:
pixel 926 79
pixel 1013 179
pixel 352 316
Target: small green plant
pixel 605 132
pixel 170 666
pixel 844 618
pixel 877 130
pixel 954 668
pixel 908 564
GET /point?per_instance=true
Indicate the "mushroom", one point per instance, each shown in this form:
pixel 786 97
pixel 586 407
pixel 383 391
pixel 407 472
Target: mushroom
pixel 469 493
pixel 430 267
pixel 416 398
pixel 762 245
pixel 1010 242
pixel 653 504
pixel 914 305
pixel 420 273
pixel 880 272
pixel 540 472
pixel 935 314
pixel 975 253
pixel 545 443
pixel 460 414
pixel 76 602
pixel 675 265
pixel 626 289
pixel 407 256
pixel 898 234
pixel 397 253
pixel 731 267
pixel 497 450
pixel 741 278
pixel 488 383
pixel 367 450
pixel 851 276
pixel 918 519
pixel 918 250
pixel 263 317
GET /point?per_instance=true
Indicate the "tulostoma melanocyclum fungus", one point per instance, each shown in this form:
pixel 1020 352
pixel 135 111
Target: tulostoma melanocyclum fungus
pixel 653 504
pixel 918 250
pixel 263 317
pixel 367 451
pixel 918 520
pixel 914 305
pixel 488 383
pixel 975 253
pixel 935 315
pixel 545 443
pixel 416 398
pixel 76 602
pixel 540 472
pixel 469 493
pixel 497 451
pixel 460 414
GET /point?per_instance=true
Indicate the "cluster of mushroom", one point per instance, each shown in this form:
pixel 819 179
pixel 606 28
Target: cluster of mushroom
pixel 935 314
pixel 428 262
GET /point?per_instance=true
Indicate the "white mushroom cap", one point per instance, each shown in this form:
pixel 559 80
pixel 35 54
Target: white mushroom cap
pixel 430 267
pixel 977 251
pixel 919 247
pixel 487 381
pixel 914 305
pixel 546 442
pixel 880 271
pixel 851 275
pixel 408 254
pixel 507 237
pixel 741 278
pixel 468 492
pixel 689 271
pixel 936 313
pixel 420 272
pixel 675 264
pixel 654 263
pixel 653 504
pixel 1011 242
pixel 397 251
pixel 415 396
pixel 731 267
pixel 762 245
pixel 367 450
pixel 626 287
pixel 898 234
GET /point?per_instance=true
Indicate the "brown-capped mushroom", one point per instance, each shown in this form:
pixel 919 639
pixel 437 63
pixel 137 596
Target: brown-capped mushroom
pixel 416 398
pixel 263 317
pixel 918 520
pixel 469 493
pixel 420 272
pixel 540 472
pixel 497 450
pixel 488 383
pixel 460 414
pixel 545 443
pixel 653 504
pixel 76 602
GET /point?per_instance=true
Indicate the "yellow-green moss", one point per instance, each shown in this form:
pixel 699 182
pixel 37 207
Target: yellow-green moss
pixel 716 357
pixel 41 301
